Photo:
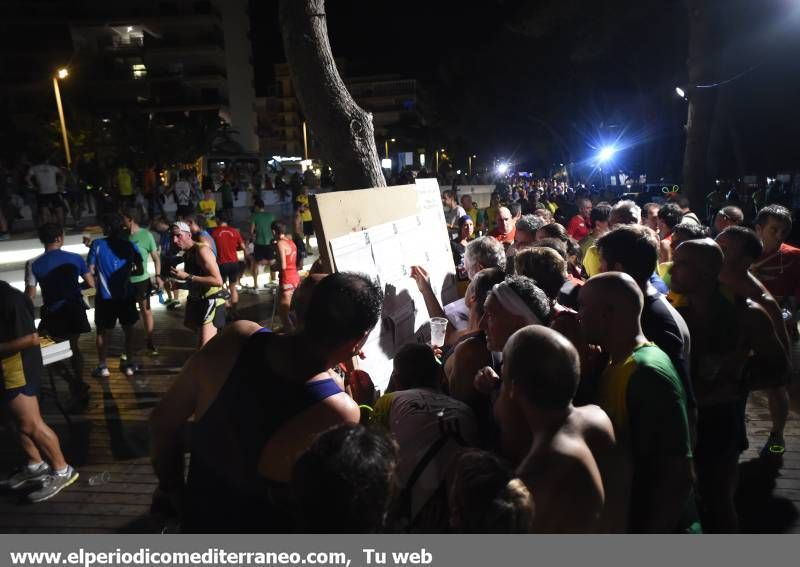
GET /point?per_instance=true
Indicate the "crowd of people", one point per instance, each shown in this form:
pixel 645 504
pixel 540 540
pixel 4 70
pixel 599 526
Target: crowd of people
pixel 50 192
pixel 125 268
pixel 593 377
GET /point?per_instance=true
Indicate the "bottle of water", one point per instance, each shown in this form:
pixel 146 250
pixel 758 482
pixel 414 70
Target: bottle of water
pixel 100 478
pixel 161 299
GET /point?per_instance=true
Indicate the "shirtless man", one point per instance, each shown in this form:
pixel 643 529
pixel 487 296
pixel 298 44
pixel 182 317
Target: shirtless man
pixel 511 305
pixel 541 371
pixel 729 334
pixel 650 489
pixel 741 247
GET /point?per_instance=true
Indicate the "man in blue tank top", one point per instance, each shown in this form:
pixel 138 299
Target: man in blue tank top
pixel 258 401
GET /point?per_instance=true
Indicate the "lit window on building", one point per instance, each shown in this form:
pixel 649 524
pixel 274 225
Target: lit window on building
pixel 139 70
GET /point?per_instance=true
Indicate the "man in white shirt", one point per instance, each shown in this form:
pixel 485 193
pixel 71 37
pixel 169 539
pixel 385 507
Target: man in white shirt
pixel 430 429
pixel 182 190
pixel 48 200
pixel 453 211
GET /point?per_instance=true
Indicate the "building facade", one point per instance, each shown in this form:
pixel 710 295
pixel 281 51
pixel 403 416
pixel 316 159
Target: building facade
pixel 392 100
pixel 166 59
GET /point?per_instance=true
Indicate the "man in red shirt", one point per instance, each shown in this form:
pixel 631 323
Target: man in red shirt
pixel 581 224
pixel 228 241
pixel 779 270
pixel 506 228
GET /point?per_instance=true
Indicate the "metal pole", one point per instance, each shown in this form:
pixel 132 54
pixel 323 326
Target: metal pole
pixel 63 122
pixel 305 141
pixel 469 159
pixel 386 148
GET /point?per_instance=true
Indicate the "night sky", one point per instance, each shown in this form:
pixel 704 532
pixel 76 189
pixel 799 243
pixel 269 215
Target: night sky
pixel 550 81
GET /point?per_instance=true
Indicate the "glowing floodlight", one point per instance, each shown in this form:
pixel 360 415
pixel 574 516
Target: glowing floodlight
pixel 681 92
pixel 502 169
pixel 606 153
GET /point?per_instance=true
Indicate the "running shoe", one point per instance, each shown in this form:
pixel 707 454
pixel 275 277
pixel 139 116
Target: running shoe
pixel 129 369
pixel 774 447
pixel 101 372
pixel 26 476
pixel 54 483
pixel 152 348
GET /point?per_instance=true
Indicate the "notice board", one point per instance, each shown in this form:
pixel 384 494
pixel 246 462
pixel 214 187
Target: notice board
pixel 382 232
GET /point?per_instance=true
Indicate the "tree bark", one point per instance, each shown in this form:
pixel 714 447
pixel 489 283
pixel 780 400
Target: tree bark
pixel 343 129
pixel 696 180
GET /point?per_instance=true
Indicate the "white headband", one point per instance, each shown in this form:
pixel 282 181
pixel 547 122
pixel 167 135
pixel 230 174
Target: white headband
pixel 513 303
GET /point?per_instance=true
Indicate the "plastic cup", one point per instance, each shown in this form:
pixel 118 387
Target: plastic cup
pixel 438 328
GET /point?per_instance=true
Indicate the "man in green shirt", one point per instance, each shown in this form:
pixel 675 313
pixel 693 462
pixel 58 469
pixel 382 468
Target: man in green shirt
pixel 141 284
pixel 227 195
pixel 650 489
pixel 261 235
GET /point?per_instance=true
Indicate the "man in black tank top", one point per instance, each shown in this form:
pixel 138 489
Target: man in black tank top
pixel 205 309
pixel 258 401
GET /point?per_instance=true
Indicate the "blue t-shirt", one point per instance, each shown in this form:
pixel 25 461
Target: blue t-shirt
pixel 165 244
pixel 57 272
pixel 659 284
pixel 114 261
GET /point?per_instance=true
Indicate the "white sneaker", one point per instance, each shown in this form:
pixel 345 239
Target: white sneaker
pixel 101 372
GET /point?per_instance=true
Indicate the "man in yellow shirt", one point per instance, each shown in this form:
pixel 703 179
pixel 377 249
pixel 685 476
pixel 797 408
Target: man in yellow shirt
pixel 623 212
pixel 308 224
pixel 208 208
pixel 490 213
pixel 125 186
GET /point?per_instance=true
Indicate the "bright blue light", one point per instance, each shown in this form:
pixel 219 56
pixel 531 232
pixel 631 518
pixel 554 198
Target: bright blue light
pixel 606 153
pixel 502 169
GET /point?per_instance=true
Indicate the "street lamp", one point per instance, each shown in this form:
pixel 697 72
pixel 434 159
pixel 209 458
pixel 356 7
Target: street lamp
pixel 305 140
pixel 681 93
pixel 386 146
pixel 62 74
pixel 437 159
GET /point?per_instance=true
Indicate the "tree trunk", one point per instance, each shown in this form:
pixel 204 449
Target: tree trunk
pixel 344 130
pixel 696 181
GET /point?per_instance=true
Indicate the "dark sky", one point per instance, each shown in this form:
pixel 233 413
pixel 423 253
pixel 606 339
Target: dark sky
pixel 551 80
pixel 377 37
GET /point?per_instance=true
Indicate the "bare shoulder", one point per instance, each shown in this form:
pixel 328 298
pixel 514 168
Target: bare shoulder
pixel 596 427
pixel 344 407
pixel 756 316
pixel 206 253
pixel 471 349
